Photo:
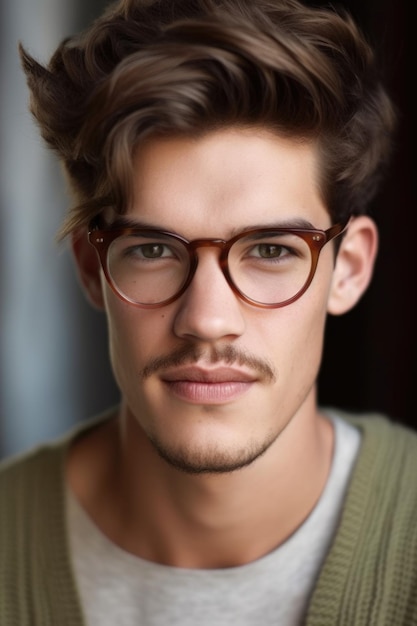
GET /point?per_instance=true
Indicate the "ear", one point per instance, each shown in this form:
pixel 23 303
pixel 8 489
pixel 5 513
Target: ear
pixel 88 268
pixel 354 265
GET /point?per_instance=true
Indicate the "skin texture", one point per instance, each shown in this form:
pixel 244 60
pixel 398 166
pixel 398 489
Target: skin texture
pixel 218 433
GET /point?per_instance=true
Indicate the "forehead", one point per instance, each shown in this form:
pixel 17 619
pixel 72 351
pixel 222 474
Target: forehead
pixel 226 180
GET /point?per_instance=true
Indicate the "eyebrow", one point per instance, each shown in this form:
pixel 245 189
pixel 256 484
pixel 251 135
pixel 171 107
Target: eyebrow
pixel 297 223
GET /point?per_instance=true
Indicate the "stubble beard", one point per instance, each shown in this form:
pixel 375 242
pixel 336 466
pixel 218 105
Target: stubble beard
pixel 212 460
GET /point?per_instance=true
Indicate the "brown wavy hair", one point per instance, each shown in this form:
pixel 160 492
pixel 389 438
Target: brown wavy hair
pixel 167 67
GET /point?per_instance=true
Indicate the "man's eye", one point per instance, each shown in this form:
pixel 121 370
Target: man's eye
pixel 271 251
pixel 154 251
pixel 268 250
pixel 149 251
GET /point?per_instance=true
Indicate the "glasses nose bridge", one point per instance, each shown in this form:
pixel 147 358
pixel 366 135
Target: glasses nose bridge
pixel 222 245
pixel 207 243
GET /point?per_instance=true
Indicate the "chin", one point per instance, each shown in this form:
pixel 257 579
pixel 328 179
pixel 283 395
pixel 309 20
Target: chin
pixel 210 459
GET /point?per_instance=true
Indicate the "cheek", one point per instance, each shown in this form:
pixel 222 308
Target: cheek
pixel 297 340
pixel 297 337
pixel 135 336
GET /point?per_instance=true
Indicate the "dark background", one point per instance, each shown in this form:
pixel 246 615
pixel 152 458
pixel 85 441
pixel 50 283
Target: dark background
pixel 369 353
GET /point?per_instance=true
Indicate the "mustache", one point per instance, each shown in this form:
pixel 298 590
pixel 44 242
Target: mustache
pixel 230 355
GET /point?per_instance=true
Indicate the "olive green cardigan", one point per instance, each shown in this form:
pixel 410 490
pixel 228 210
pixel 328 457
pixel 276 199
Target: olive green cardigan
pixel 369 577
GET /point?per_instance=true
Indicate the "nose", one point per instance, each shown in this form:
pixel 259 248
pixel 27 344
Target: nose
pixel 209 310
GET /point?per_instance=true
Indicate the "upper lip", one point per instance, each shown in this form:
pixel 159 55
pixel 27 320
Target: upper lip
pixel 204 375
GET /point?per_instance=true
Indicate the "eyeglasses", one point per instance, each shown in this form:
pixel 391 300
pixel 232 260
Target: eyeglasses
pixel 265 267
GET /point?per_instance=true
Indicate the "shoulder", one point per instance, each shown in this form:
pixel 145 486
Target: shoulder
pixel 33 534
pixel 32 500
pixel 40 465
pixel 373 423
pixel 384 439
pixel 371 568
pixel 23 469
pixel 379 425
pixel 380 434
pixel 387 460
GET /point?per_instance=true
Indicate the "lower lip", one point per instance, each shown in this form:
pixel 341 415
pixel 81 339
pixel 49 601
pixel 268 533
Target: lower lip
pixel 208 393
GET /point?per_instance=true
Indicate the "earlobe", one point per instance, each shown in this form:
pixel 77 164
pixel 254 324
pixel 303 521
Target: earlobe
pixel 354 265
pixel 88 268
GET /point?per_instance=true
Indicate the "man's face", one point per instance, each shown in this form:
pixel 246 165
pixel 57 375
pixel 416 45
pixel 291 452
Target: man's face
pixel 211 380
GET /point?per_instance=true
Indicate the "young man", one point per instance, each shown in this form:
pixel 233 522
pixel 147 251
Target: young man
pixel 222 155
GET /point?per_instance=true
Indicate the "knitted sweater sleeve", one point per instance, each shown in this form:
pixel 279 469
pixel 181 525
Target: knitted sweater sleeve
pixel 370 575
pixel 37 587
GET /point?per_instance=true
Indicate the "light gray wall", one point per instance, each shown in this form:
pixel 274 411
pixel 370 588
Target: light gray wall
pixel 50 339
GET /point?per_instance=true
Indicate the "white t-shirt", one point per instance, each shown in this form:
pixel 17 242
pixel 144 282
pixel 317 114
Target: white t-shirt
pixel 119 589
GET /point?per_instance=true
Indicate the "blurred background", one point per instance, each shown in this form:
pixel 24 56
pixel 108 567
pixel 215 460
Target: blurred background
pixel 54 365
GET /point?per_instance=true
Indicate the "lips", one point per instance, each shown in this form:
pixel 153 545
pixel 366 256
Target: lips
pixel 212 386
pixel 217 375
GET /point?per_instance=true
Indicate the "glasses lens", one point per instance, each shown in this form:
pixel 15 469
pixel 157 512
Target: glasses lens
pixel 270 267
pixel 147 267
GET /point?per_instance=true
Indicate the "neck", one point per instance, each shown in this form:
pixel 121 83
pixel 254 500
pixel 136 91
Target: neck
pixel 165 515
